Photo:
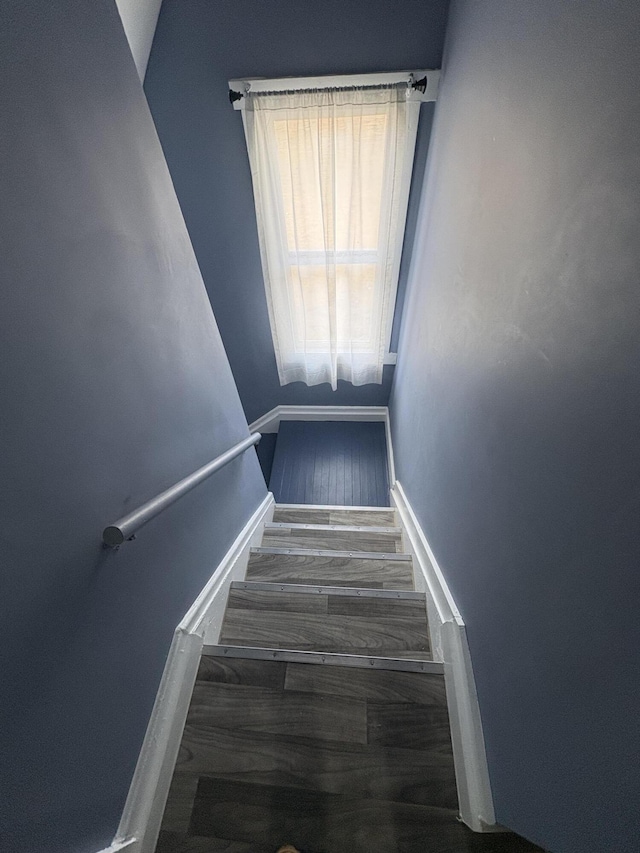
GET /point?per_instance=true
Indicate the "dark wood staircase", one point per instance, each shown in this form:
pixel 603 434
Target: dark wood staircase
pixel 320 718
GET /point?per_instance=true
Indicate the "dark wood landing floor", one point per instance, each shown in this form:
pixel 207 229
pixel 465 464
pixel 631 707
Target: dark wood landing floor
pixel 326 462
pixel 331 759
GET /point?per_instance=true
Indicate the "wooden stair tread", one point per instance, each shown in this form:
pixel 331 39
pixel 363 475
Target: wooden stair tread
pixel 343 529
pixel 320 718
pixel 382 635
pixel 309 599
pixel 328 569
pixel 333 539
pixel 348 516
pixel 244 780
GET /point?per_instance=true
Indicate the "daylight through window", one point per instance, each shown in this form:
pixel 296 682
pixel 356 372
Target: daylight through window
pixel 331 170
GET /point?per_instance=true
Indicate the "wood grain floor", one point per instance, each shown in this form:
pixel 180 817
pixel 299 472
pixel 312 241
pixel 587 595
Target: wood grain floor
pixel 351 603
pixel 333 760
pixel 385 628
pixel 333 540
pixel 312 515
pixel 329 757
pixel 326 570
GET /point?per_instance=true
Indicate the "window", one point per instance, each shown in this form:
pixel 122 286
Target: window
pixel 331 169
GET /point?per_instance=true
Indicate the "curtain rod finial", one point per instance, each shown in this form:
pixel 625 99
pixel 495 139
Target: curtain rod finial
pixel 420 85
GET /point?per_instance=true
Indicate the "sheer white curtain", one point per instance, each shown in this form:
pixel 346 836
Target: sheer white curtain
pixel 331 171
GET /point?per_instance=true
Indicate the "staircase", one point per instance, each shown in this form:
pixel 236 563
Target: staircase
pixel 321 719
pixel 327 570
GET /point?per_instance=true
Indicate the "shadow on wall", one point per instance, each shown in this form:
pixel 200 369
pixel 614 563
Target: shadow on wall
pixel 198 47
pixel 266 450
pixel 114 385
pixel 516 403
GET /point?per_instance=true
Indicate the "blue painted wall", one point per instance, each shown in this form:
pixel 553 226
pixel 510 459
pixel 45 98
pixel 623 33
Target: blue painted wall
pixel 516 405
pixel 199 46
pixel 114 384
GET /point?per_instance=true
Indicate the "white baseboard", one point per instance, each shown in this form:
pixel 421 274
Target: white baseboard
pixel 270 422
pixel 449 643
pixel 142 815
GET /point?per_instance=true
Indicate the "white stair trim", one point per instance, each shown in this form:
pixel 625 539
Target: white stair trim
pixel 449 644
pixel 270 422
pixel 117 846
pixel 142 815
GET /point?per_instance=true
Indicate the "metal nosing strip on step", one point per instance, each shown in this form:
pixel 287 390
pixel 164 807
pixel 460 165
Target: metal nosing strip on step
pixel 324 658
pixel 342 528
pixel 333 508
pixel 314 589
pixel 315 552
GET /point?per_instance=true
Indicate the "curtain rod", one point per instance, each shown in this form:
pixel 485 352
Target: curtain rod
pixel 419 85
pixel 415 83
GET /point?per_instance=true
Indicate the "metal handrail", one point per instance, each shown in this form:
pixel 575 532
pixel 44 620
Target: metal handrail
pixel 124 528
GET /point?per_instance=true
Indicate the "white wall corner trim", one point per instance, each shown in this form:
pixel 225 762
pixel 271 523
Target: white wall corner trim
pixel 269 422
pixel 390 461
pixel 449 642
pixel 142 815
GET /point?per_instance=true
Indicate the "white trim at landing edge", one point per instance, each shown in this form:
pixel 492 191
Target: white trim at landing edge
pixel 270 422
